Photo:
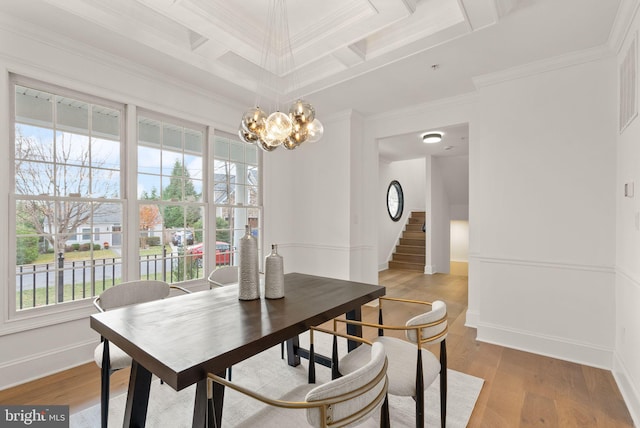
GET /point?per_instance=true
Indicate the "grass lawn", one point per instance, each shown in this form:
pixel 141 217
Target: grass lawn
pixel 76 255
pixel 47 296
pixel 98 254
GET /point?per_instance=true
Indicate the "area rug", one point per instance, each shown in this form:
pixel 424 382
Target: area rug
pixel 267 374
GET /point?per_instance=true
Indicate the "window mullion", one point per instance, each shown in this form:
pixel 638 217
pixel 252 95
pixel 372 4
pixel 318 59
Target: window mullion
pixel 132 223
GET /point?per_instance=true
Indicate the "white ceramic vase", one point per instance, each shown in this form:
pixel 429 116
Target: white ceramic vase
pixel 274 275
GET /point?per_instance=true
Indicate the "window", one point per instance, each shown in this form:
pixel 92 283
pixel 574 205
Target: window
pixel 68 198
pixel 236 195
pixel 67 151
pixel 86 233
pixel 170 194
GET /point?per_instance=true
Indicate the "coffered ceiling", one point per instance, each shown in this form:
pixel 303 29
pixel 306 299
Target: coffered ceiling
pixel 371 56
pixel 332 41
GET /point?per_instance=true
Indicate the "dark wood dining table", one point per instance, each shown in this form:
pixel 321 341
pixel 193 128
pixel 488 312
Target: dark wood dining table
pixel 182 338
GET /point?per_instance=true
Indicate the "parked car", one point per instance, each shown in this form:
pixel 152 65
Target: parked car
pixel 180 238
pixel 223 253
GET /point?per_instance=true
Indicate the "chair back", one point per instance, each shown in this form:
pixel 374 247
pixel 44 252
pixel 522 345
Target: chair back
pixel 222 276
pixel 132 292
pixel 352 398
pixel 437 316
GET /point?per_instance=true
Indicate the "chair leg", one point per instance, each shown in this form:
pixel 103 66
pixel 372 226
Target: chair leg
pixel 419 392
pixel 105 373
pixel 335 369
pixel 385 421
pixel 312 364
pixel 443 384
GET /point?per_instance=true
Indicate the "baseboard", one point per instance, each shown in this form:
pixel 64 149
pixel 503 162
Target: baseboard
pixel 429 269
pixel 35 366
pixel 628 389
pixel 472 319
pixel 383 266
pixel 550 346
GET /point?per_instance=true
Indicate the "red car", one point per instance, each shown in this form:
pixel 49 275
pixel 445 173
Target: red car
pixel 223 253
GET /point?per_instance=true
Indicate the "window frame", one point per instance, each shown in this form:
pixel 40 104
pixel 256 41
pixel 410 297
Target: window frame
pixel 14 319
pixel 259 197
pixel 202 204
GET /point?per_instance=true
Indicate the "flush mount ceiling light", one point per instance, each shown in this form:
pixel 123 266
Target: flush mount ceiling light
pixel 432 137
pixel 289 128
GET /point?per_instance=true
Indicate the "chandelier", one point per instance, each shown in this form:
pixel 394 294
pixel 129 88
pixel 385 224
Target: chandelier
pixel 298 123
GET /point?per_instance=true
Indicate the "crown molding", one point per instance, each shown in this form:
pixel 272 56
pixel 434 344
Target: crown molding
pixel 555 63
pixel 627 12
pixel 458 100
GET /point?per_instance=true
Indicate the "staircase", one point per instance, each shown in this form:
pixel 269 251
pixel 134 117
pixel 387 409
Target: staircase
pixel 410 253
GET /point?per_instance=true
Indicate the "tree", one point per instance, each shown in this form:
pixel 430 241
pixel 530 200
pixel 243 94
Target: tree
pixel 27 246
pixel 174 217
pixel 222 230
pixel 150 197
pixel 64 172
pixel 149 218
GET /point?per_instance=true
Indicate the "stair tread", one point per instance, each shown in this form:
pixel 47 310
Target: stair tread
pixel 409 252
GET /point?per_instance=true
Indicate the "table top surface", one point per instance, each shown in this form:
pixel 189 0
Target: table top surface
pixel 182 338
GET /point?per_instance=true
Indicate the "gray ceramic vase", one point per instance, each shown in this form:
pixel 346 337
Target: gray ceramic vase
pixel 249 286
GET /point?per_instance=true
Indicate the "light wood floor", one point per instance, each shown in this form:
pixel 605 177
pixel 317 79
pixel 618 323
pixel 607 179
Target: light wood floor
pixel 520 390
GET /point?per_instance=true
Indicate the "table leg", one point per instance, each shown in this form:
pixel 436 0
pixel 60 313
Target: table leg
pixel 135 412
pixel 354 330
pixel 202 408
pixel 217 398
pixel 293 358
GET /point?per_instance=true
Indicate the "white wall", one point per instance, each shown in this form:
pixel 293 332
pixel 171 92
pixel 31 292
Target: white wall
pixel 542 203
pixel 411 176
pixel 626 367
pixel 459 241
pixel 322 225
pixel 543 214
pixel 317 225
pixel 438 219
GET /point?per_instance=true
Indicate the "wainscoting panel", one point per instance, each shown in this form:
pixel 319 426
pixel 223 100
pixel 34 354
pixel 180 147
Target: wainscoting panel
pixel 564 311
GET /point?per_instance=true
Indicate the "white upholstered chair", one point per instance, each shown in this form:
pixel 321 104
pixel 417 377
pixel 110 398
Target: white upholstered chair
pixel 225 275
pixel 107 356
pixel 411 367
pixel 346 401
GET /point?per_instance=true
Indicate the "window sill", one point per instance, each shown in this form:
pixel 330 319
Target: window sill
pixel 46 316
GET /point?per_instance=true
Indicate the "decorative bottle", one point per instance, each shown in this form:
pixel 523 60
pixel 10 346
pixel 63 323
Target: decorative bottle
pixel 274 274
pixel 249 286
